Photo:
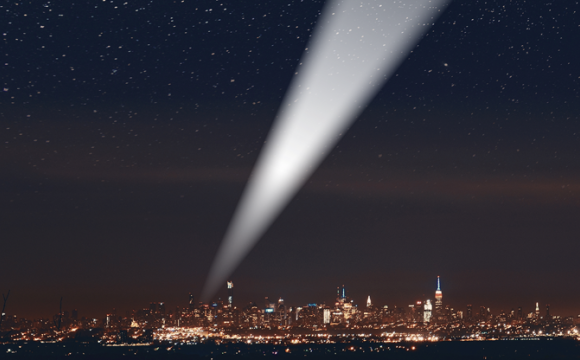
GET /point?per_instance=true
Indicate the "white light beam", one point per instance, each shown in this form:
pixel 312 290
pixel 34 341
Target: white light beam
pixel 356 47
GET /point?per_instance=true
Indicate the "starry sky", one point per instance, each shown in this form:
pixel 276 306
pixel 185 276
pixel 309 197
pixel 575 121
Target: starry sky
pixel 128 131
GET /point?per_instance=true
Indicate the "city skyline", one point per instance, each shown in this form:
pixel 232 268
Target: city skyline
pixel 238 329
pixel 128 132
pixel 435 300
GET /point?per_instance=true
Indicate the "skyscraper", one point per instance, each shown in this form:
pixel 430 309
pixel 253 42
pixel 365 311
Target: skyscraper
pixel 427 309
pixel 469 312
pixel 369 303
pixel 230 294
pixel 482 313
pixel 191 305
pixel 438 298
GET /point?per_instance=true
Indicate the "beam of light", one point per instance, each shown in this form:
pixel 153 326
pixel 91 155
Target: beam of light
pixel 356 47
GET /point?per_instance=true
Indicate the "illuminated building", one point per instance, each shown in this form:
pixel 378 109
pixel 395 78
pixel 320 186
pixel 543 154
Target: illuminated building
pixel 520 313
pixel 341 294
pixel 230 294
pixel 537 309
pixel 419 311
pixel 438 298
pixel 191 303
pixel 281 313
pixel 427 311
pixel 326 316
pixel 440 314
pixel 344 309
pixel 469 312
pixel 369 303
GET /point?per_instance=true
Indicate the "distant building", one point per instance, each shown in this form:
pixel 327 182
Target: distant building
pixel 191 305
pixel 326 316
pixel 440 314
pixel 482 313
pixel 427 311
pixel 417 309
pixel 231 294
pixel 438 298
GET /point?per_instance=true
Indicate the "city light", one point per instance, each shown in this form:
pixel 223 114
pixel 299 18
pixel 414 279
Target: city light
pixel 334 327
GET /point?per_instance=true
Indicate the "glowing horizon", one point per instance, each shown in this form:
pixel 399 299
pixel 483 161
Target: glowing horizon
pixel 355 48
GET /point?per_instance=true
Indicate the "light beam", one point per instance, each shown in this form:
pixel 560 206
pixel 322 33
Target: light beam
pixel 357 45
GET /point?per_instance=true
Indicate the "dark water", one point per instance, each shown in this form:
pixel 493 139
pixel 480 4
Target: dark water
pixel 541 349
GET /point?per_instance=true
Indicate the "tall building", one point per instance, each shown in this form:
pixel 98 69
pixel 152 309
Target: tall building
pixel 230 294
pixel 537 310
pixel 418 312
pixel 438 298
pixel 326 316
pixel 482 313
pixel 520 313
pixel 547 311
pixel 191 305
pixel 469 312
pixel 281 314
pixel 341 294
pixel 369 303
pixel 427 310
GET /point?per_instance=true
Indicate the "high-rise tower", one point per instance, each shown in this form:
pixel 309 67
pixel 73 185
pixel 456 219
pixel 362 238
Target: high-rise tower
pixel 230 294
pixel 427 309
pixel 191 304
pixel 369 303
pixel 341 294
pixel 438 298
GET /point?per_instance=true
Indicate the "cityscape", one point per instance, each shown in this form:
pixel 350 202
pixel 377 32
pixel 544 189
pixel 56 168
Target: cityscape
pixel 275 323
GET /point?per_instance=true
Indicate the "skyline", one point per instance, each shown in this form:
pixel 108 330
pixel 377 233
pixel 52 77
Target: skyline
pixel 226 296
pixel 128 132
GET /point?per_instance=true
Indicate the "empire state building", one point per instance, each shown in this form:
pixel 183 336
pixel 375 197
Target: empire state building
pixel 438 298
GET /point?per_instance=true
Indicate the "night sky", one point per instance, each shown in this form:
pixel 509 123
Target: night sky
pixel 128 131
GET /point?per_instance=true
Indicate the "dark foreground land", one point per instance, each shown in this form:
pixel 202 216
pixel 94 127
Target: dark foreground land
pixel 513 349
